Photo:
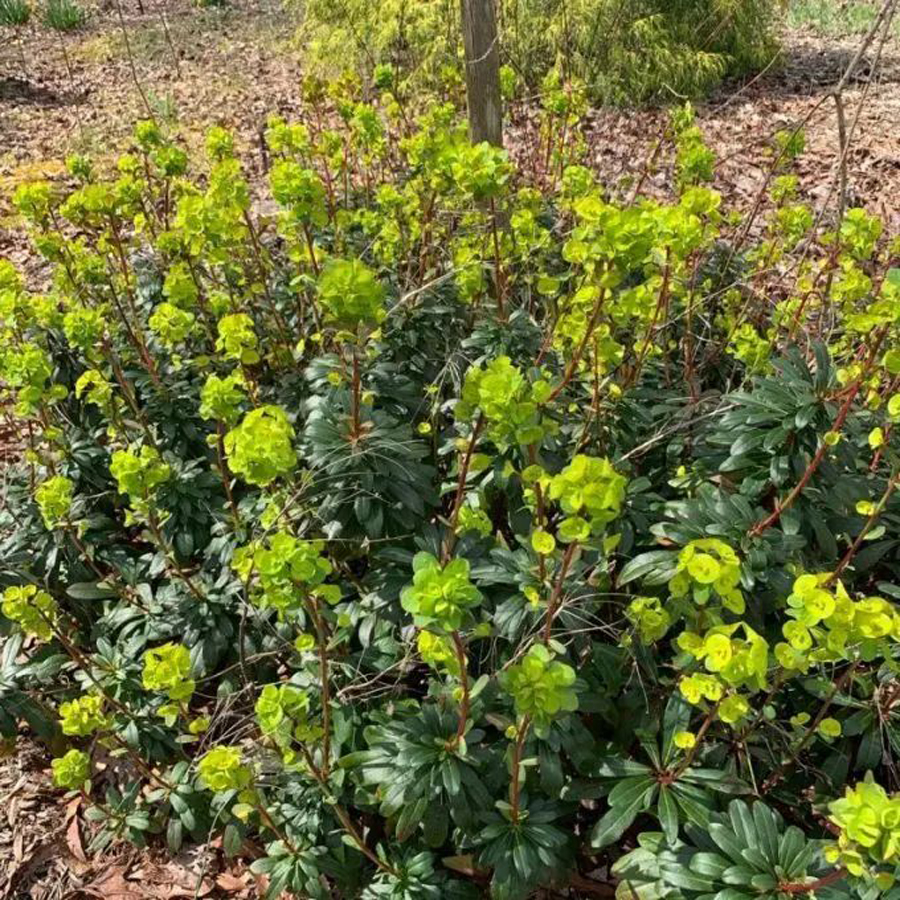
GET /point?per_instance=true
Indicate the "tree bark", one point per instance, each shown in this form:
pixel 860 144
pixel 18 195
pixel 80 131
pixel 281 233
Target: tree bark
pixel 479 26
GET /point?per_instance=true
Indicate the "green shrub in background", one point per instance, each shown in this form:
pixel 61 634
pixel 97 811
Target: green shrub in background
pixel 14 13
pixel 454 531
pixel 626 51
pixel 63 15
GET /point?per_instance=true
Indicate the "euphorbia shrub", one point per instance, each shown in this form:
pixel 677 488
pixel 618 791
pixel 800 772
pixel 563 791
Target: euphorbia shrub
pixel 452 528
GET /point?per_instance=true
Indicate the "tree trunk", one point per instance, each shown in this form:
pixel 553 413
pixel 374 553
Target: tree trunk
pixel 479 25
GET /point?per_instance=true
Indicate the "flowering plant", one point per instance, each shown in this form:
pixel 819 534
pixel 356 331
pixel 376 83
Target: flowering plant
pixel 457 527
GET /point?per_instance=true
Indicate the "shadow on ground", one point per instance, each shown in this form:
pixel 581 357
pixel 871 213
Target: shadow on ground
pixel 22 92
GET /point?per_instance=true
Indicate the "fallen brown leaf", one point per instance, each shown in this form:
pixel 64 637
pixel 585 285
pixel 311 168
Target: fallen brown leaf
pixel 111 885
pixel 73 840
pixel 231 883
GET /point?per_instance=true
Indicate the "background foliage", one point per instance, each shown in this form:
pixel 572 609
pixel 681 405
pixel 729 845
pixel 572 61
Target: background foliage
pixel 632 51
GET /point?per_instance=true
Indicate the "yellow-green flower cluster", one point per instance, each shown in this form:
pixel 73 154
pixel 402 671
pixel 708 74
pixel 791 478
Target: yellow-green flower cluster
pixel 591 493
pixel 470 275
pixel 170 324
pixel 26 368
pixel 827 625
pixel 237 340
pixel 83 715
pixel 222 769
pixel 541 687
pixel 168 669
pixel 34 611
pixel 734 657
pixel 440 595
pixel 733 709
pixel 481 171
pixel 351 295
pixel 472 519
pixel 179 286
pixel 699 687
pixel 437 651
pixel 506 400
pixel 54 499
pixel 737 661
pixel 649 618
pixel 95 389
pixel 286 137
pixel 138 473
pixel 71 770
pixel 219 143
pixel 869 820
pixel 288 569
pixel 300 190
pixel 221 398
pixel 708 568
pixel 261 448
pixel 283 713
pixel 859 232
pixel 85 326
pixel 751 348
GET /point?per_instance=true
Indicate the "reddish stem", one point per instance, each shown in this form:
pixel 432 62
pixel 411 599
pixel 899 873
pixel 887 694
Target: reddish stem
pixel 816 461
pixel 464 466
pixel 579 352
pixel 799 887
pixel 854 547
pixel 553 605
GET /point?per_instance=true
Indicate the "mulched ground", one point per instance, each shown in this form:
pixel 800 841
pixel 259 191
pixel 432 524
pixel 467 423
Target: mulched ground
pixel 237 65
pixel 44 849
pixel 739 122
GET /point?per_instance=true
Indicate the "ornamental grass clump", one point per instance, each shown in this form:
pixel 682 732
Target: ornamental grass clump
pixel 448 528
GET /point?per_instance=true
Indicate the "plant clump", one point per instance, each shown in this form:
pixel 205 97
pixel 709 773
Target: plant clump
pixel 453 527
